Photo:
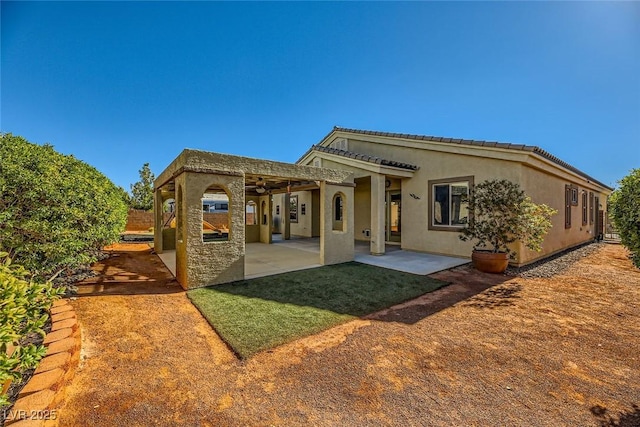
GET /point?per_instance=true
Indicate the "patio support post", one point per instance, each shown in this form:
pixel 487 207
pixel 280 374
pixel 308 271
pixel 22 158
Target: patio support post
pixel 157 221
pixel 377 214
pixel 285 219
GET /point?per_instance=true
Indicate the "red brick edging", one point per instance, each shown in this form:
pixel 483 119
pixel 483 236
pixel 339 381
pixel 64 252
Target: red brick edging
pixel 43 393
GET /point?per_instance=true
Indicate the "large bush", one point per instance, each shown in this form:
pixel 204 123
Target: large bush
pixel 56 211
pixel 503 214
pixel 624 204
pixel 24 307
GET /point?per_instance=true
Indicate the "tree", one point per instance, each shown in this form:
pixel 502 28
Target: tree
pixel 503 214
pixel 142 191
pixel 56 211
pixel 624 205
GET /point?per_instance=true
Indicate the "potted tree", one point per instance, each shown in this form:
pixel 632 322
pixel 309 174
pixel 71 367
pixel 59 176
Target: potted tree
pixel 501 213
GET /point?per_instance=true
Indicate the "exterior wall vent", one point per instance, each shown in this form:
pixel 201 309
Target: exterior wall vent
pixel 340 144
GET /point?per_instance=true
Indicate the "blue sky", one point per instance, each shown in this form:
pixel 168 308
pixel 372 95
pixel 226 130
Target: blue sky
pixel 118 84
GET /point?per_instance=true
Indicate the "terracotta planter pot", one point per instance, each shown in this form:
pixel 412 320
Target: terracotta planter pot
pixel 490 262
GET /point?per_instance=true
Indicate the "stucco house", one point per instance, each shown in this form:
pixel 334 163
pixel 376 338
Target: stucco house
pixel 375 187
pixel 409 189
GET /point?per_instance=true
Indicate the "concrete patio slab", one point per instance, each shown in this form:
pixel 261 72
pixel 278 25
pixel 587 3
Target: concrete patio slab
pixel 302 253
pixel 265 260
pixel 411 262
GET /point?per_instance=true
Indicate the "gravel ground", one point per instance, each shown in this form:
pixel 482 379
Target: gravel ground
pixel 487 350
pixel 550 267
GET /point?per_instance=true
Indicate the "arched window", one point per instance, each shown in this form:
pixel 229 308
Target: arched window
pixel 250 217
pixel 338 212
pixel 216 214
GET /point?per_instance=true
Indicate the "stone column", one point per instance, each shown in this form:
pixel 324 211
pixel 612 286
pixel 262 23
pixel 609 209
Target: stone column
pixel 378 216
pixel 200 263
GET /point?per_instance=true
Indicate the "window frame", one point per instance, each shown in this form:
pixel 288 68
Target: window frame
pixel 433 182
pixel 574 195
pixel 568 203
pixel 585 210
pixel 338 220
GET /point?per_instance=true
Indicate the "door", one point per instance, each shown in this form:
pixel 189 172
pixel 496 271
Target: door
pixel 394 214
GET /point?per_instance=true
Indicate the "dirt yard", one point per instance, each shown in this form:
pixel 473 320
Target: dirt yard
pixel 484 351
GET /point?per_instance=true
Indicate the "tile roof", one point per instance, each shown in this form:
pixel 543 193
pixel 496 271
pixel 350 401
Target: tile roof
pixel 521 147
pixel 363 157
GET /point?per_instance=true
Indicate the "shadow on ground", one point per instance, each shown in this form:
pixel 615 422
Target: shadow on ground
pixel 131 269
pixel 626 419
pixel 466 285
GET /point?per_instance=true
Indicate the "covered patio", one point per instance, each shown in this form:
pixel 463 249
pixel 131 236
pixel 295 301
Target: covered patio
pixel 214 252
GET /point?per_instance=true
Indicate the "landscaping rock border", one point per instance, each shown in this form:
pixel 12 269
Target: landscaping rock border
pixel 40 397
pixel 556 264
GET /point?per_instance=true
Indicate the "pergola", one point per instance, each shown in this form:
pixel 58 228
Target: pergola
pixel 195 173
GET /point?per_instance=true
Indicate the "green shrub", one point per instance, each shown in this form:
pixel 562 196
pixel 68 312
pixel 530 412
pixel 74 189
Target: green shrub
pixel 624 205
pixel 503 214
pixel 24 307
pixel 56 211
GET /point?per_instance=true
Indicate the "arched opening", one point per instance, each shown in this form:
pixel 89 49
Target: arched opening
pixel 338 214
pixel 251 215
pixel 216 215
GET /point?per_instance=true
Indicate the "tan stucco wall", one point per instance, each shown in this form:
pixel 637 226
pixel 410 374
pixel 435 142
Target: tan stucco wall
pixel 362 217
pixel 304 225
pixel 336 246
pixel 549 189
pixel 437 165
pixel 277 212
pixel 315 213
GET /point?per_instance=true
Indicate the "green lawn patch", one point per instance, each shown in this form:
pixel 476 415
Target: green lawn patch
pixel 258 314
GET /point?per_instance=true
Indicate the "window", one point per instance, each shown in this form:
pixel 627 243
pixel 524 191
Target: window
pixel 584 208
pixel 250 214
pixel 293 208
pixel 591 208
pixel 568 202
pixel 574 195
pixel 338 212
pixel 449 205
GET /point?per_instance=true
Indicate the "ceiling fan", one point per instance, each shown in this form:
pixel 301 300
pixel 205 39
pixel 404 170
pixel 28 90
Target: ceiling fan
pixel 260 187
